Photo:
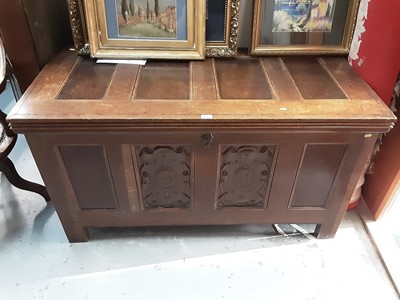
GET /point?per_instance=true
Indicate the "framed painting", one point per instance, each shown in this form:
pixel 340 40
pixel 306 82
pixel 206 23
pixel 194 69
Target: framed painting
pixel 143 29
pixel 289 27
pixel 222 25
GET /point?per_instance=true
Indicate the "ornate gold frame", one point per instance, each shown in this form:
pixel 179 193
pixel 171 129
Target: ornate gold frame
pixel 343 48
pixel 226 49
pixel 229 48
pixel 88 22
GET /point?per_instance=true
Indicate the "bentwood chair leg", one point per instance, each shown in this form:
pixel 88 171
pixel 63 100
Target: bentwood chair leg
pixel 8 168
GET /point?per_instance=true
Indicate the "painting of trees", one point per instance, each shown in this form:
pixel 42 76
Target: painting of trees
pixel 132 7
pixel 147 18
pixel 156 7
pixel 124 9
pixel 303 15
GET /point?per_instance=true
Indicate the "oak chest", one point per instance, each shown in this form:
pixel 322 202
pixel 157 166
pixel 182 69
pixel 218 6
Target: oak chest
pixel 245 140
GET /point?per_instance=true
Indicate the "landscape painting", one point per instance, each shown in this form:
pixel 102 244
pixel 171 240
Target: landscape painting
pixel 303 15
pixel 147 18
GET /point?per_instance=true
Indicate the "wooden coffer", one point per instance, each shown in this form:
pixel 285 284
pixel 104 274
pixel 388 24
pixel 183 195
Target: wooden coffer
pixel 246 140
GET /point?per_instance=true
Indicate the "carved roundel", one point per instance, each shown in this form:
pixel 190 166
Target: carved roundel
pixel 243 177
pixel 166 178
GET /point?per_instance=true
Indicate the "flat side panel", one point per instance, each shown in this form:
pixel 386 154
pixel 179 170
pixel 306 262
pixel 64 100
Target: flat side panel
pixel 242 79
pixel 312 80
pixel 244 175
pixel 87 82
pixel 163 81
pixel 316 177
pixel 166 176
pixel 89 175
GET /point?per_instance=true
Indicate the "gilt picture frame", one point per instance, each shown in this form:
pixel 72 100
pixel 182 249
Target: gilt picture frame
pixel 222 28
pixel 139 29
pixel 303 27
pixel 76 10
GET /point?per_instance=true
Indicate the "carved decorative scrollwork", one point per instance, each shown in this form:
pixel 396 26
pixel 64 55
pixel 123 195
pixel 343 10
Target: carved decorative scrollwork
pixel 231 48
pixel 234 25
pixel 165 174
pixel 244 176
pixel 220 51
pixel 77 21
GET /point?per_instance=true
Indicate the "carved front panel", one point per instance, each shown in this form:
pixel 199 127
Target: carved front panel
pixel 244 175
pixel 166 176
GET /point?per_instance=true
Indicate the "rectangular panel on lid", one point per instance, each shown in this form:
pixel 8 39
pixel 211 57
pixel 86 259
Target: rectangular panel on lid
pixel 87 82
pixel 164 81
pixel 242 79
pixel 312 80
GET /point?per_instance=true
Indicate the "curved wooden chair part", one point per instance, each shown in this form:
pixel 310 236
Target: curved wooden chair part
pixel 8 138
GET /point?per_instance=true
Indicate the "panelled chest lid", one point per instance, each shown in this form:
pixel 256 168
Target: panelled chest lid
pixel 310 92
